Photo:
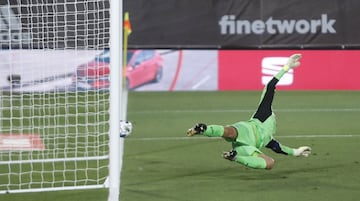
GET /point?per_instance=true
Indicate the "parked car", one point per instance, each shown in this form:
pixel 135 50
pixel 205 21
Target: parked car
pixel 143 66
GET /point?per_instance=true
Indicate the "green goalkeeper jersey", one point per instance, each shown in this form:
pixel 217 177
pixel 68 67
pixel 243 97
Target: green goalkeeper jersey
pixel 255 133
pixel 252 136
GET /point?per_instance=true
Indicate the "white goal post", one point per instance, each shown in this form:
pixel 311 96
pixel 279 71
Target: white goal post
pixel 56 94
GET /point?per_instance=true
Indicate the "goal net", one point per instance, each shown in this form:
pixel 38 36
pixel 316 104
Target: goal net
pixel 54 103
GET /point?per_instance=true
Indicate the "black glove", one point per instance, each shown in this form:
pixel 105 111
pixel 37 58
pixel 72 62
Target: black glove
pixel 230 155
pixel 200 128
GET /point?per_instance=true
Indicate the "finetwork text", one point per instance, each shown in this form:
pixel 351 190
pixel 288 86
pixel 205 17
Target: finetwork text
pixel 229 25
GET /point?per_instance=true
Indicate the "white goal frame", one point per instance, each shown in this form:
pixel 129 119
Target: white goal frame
pixel 116 91
pixel 117 106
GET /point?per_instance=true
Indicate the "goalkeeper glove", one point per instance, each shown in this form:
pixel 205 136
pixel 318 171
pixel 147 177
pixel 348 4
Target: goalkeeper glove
pixel 197 129
pixel 302 151
pixel 293 62
pixel 230 155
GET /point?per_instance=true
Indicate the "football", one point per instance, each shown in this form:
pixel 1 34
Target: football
pixel 125 128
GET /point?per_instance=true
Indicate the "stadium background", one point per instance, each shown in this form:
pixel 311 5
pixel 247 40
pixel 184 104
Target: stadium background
pixel 166 171
pixel 326 34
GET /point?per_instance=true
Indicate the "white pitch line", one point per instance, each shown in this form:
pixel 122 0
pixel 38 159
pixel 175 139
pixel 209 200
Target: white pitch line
pixel 248 110
pixel 216 138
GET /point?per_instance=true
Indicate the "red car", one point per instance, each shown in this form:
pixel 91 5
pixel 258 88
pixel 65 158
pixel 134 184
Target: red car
pixel 143 66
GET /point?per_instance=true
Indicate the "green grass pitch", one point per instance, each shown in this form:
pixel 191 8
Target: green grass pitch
pixel 161 164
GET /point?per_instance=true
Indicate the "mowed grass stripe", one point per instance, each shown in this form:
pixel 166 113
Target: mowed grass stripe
pixel 215 138
pixel 249 110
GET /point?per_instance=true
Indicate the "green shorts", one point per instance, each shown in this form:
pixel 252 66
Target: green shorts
pixel 246 150
pixel 253 135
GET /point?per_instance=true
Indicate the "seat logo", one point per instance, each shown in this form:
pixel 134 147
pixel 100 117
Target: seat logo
pixel 270 66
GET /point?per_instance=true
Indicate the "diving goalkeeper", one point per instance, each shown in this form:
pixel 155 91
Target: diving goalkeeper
pixel 248 137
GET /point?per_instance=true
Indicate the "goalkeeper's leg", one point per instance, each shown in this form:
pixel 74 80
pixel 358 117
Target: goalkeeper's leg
pixel 260 161
pixel 250 157
pixel 265 107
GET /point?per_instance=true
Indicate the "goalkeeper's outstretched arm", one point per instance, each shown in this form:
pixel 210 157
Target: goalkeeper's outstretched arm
pixel 282 149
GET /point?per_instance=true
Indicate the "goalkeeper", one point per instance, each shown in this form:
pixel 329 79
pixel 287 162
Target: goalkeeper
pixel 248 137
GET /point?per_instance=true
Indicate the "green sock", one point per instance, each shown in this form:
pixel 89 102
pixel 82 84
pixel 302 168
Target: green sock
pixel 214 131
pixel 282 72
pixel 252 161
pixel 288 150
